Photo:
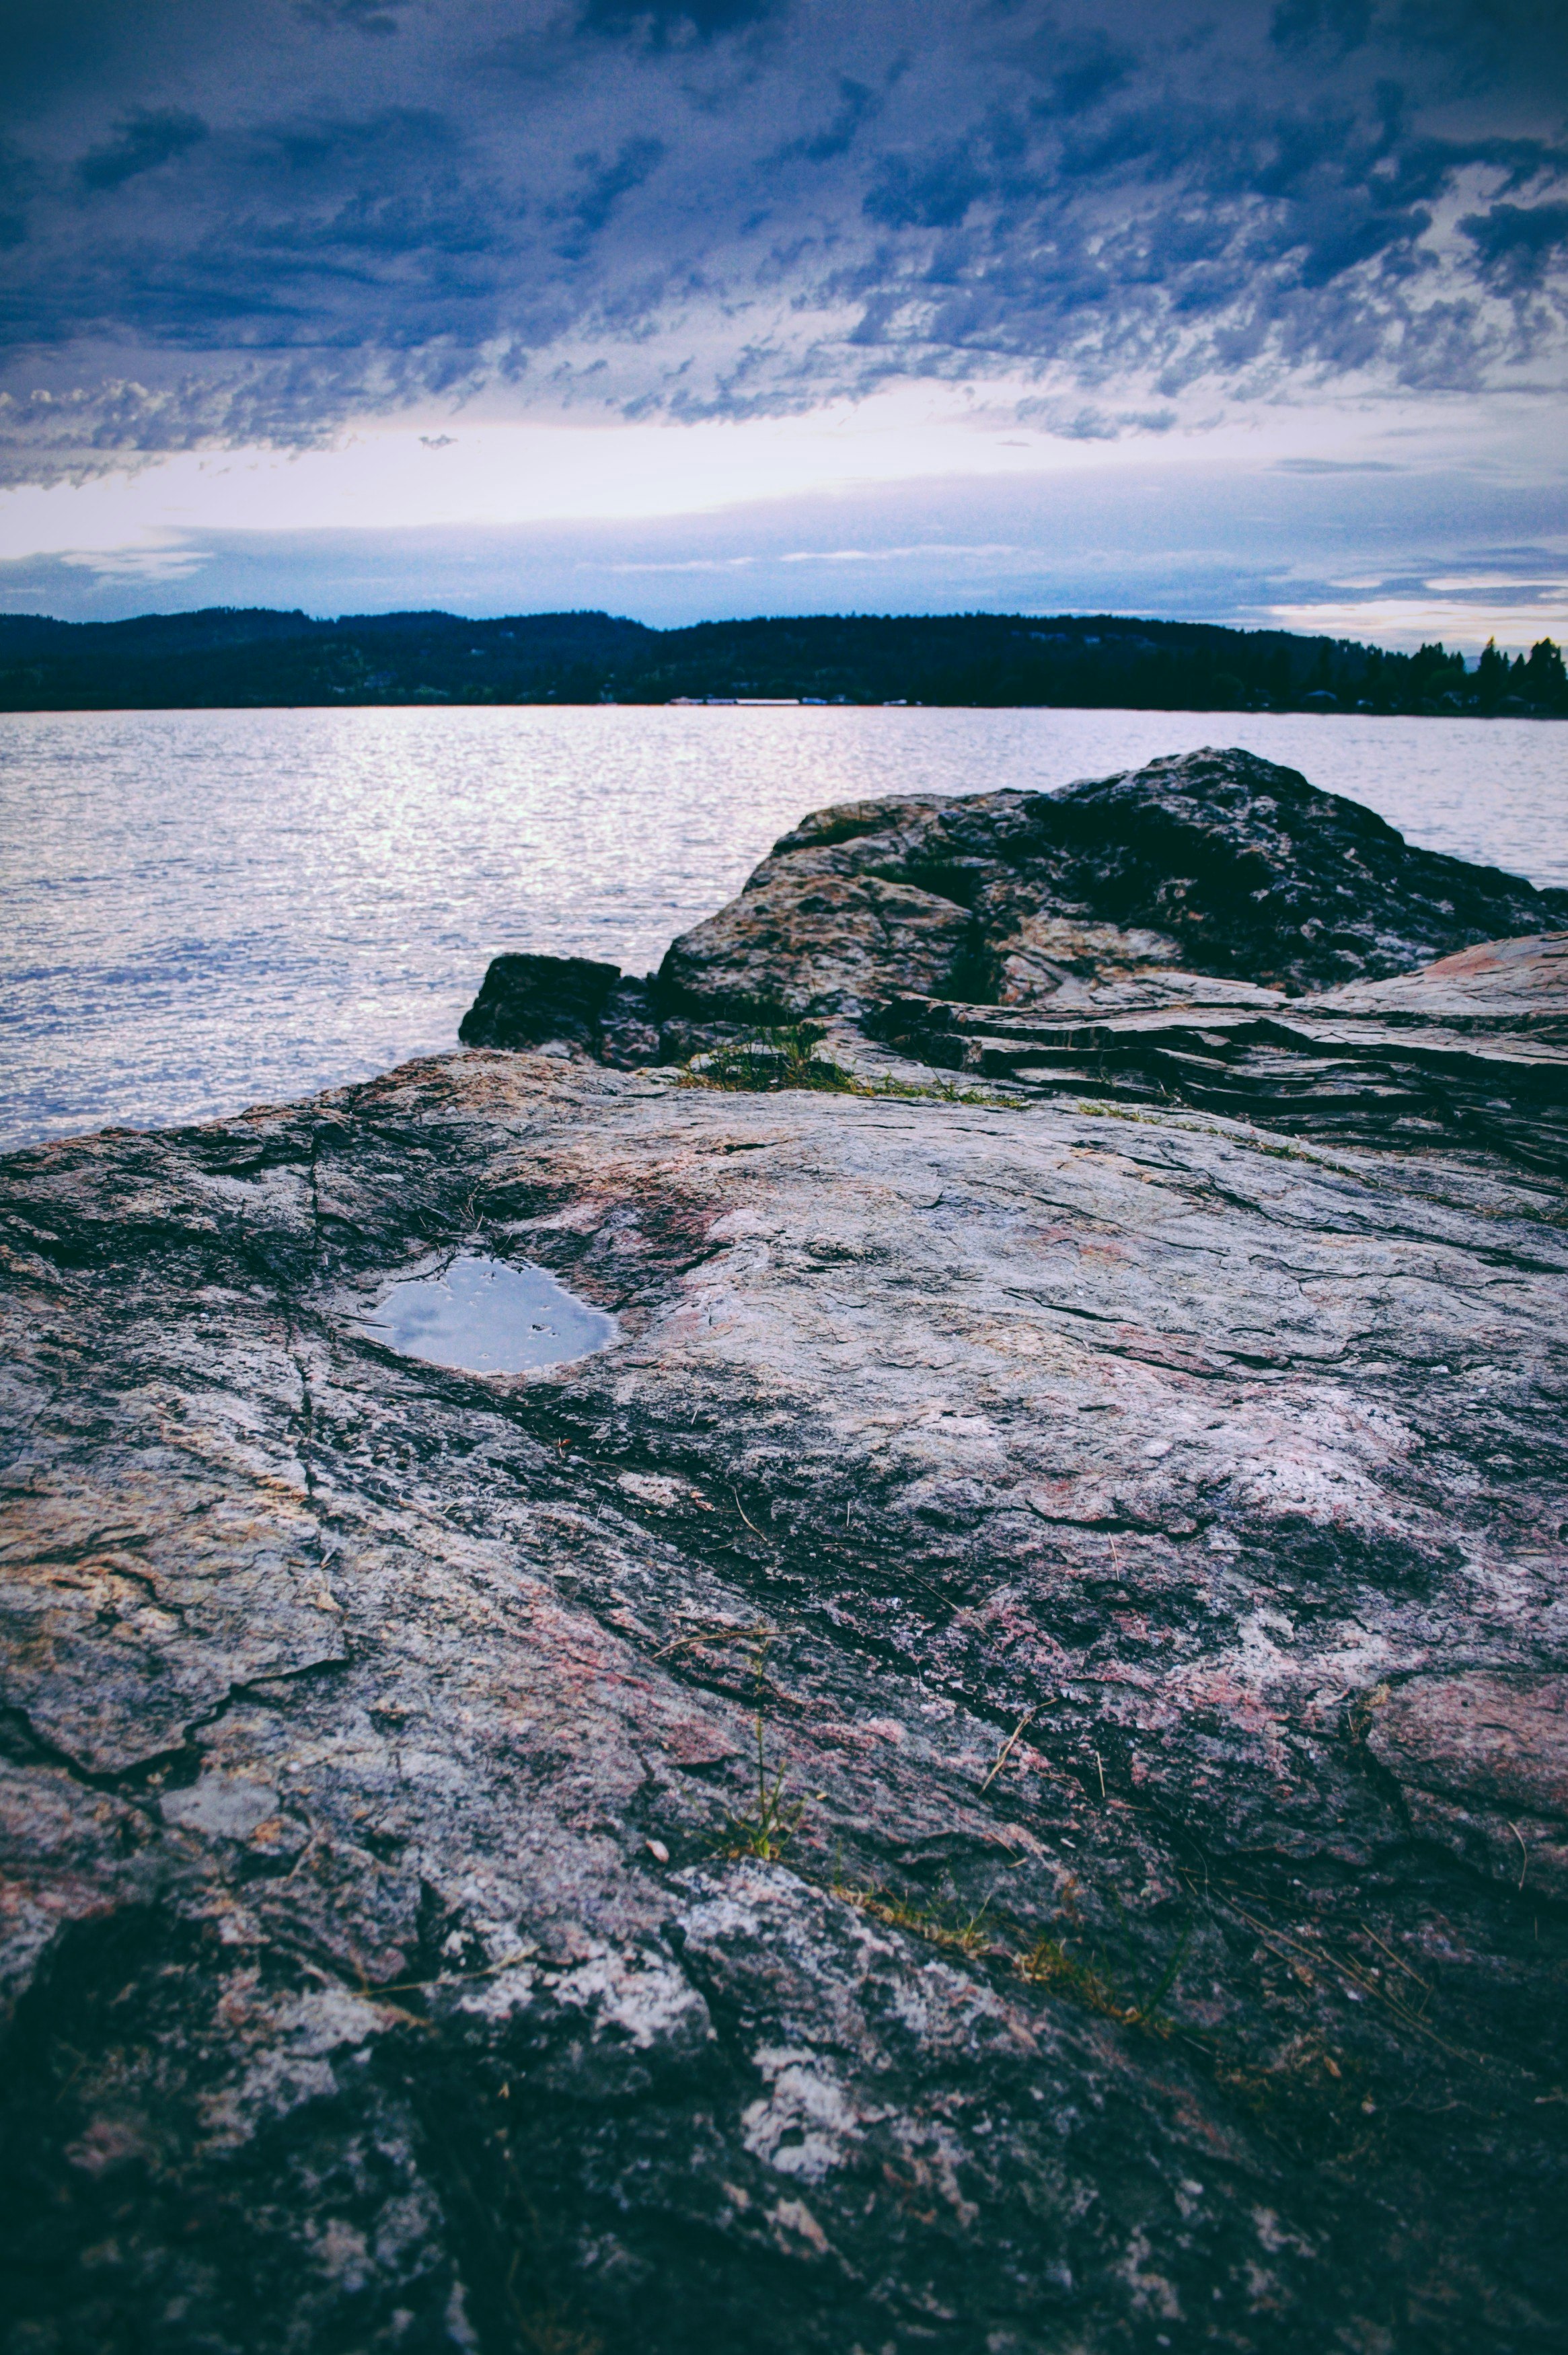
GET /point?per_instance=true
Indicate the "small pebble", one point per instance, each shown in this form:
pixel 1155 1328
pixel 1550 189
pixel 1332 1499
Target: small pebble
pixel 659 1851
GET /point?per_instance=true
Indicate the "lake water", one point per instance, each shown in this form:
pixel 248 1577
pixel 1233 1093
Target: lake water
pixel 206 909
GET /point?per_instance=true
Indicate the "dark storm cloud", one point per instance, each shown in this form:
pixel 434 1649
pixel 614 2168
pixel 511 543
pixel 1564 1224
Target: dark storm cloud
pixel 857 102
pixel 1304 24
pixel 664 22
pixel 376 17
pixel 141 142
pixel 263 217
pixel 1518 245
pixel 606 184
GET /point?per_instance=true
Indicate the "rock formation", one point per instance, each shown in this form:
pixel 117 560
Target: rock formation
pixel 1177 934
pixel 1473 1048
pixel 534 1001
pixel 989 1778
pixel 1220 863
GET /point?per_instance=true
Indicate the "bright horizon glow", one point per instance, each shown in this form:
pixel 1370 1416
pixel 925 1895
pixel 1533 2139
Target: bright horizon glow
pixel 145 528
pixel 1411 621
pixel 451 470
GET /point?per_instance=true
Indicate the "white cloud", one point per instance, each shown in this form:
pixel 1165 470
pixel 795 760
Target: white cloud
pixel 1409 621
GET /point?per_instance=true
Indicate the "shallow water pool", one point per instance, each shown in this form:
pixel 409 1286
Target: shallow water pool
pixel 484 1315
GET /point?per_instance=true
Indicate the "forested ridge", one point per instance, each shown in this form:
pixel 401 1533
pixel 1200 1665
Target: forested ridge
pixel 226 657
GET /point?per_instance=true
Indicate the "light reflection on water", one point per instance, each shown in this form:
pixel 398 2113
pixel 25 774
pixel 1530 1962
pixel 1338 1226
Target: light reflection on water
pixel 209 909
pixel 481 1316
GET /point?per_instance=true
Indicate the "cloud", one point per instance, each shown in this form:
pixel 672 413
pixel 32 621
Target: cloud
pixel 1339 26
pixel 674 23
pixel 116 422
pixel 143 141
pixel 736 207
pixel 607 184
pixel 1091 67
pixel 1517 243
pixel 857 102
pixel 140 567
pixel 1088 423
pixel 376 17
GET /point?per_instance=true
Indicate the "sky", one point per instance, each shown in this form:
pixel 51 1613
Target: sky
pixel 1247 313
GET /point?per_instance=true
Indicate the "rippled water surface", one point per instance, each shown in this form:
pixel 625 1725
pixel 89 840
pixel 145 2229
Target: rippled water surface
pixel 208 909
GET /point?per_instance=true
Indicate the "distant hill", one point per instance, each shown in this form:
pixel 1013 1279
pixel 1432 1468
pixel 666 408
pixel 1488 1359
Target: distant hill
pixel 226 657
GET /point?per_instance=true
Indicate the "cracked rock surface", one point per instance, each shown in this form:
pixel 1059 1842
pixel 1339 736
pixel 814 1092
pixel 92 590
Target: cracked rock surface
pixel 989 1777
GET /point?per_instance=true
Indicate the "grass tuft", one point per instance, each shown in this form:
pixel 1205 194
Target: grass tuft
pixel 787 1058
pixel 938 1925
pixel 784 1057
pixel 1045 1964
pixel 768 1827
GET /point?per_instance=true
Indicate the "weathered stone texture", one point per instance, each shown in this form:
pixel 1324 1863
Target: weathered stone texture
pixel 1141 1543
pixel 1218 862
pixel 1471 1050
pixel 530 1001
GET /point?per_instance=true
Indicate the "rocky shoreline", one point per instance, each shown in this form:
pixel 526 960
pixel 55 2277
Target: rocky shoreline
pixel 990 1776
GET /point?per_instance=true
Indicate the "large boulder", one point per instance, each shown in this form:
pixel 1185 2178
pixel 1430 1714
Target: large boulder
pixel 529 1000
pixel 1216 862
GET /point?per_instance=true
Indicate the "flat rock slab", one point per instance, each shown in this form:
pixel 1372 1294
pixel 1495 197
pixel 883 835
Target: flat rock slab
pixel 985 1777
pixel 1503 984
pixel 1472 1049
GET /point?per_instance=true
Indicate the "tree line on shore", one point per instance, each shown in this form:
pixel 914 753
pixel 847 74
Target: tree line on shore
pixel 226 657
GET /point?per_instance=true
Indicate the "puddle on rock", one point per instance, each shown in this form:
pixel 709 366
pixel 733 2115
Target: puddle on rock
pixel 482 1316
